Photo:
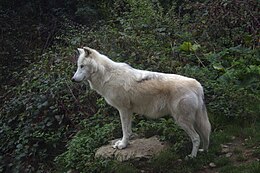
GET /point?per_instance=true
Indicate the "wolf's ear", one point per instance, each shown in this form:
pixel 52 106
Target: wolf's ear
pixel 77 52
pixel 87 50
pixel 80 51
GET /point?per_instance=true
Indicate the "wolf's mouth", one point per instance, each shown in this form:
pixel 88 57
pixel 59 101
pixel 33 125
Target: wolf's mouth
pixel 77 81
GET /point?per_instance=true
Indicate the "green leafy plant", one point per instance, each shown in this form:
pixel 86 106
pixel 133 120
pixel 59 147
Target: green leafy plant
pixel 214 42
pixel 81 149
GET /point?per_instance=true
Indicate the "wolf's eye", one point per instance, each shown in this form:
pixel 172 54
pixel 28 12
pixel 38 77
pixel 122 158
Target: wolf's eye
pixel 81 66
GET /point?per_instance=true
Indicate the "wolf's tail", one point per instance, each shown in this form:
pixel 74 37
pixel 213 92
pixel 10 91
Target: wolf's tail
pixel 202 125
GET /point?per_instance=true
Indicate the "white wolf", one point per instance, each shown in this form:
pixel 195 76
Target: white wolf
pixel 152 94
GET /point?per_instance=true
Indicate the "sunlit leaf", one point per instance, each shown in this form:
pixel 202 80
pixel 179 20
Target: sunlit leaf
pixel 219 67
pixel 195 47
pixel 186 46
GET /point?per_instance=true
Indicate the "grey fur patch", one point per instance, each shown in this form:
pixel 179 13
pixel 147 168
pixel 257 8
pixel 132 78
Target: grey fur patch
pixel 146 78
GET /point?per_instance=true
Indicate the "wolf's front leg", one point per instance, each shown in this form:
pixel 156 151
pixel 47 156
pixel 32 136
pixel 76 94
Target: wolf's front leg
pixel 125 117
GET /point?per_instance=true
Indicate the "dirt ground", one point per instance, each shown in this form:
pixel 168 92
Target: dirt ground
pixel 237 153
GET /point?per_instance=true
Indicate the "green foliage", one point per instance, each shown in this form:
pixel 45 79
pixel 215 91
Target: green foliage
pixel 212 41
pixel 117 167
pixel 187 46
pixel 40 114
pixel 222 161
pixel 81 149
pixel 243 168
pixel 227 23
pixel 232 77
pixel 164 127
pixel 164 161
pixel 237 81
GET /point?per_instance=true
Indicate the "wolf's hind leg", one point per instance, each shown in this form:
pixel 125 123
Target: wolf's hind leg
pixel 194 136
pixel 185 118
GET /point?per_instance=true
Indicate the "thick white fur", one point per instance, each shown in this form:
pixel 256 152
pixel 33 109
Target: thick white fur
pixel 148 93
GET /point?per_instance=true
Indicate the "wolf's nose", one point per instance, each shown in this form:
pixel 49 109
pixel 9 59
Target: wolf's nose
pixel 73 80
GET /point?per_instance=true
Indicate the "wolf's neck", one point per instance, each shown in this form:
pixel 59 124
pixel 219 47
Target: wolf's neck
pixel 103 60
pixel 99 79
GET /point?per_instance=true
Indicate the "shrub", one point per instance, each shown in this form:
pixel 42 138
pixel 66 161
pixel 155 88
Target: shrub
pixel 44 110
pixel 81 149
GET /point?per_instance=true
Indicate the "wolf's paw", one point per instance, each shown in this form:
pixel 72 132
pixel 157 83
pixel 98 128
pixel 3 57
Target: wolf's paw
pixel 189 157
pixel 120 145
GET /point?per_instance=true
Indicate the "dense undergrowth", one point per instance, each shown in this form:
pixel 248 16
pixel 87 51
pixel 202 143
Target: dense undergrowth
pixel 49 124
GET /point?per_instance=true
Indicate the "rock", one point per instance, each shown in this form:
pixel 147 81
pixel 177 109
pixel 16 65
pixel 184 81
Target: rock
pixel 137 149
pixel 228 155
pixel 225 148
pixel 212 165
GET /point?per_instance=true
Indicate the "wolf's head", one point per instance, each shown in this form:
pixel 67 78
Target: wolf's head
pixel 86 64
